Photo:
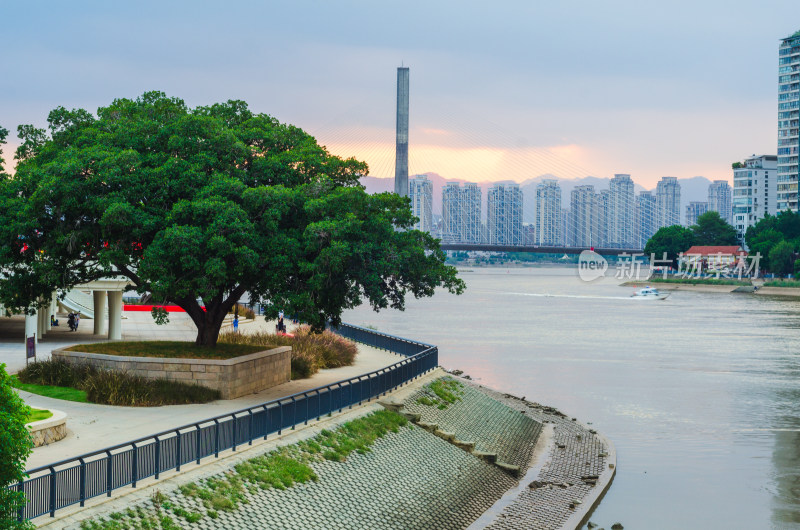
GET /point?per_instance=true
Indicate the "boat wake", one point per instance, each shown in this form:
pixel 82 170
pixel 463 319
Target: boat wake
pixel 546 295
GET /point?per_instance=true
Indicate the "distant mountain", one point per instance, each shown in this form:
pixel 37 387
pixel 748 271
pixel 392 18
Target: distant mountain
pixel 692 189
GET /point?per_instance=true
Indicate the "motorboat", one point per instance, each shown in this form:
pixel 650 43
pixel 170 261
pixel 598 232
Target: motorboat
pixel 649 293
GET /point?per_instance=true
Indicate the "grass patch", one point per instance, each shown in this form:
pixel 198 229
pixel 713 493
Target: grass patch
pixel 698 281
pixel 55 392
pixel 280 469
pixel 284 467
pixel 795 284
pixel 311 352
pixel 171 349
pixel 84 383
pixel 38 415
pixel 441 393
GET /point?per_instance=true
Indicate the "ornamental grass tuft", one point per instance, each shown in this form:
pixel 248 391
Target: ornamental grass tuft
pixel 311 352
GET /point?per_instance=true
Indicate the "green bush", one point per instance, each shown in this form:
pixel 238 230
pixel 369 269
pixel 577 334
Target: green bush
pixel 311 352
pixel 110 387
pixel 15 446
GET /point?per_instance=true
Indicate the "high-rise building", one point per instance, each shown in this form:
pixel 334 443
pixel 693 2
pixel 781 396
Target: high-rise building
pixel 620 229
pixel 668 199
pixel 788 121
pixel 694 210
pixel 565 235
pixel 401 151
pixel 754 191
pixel 602 220
pixel 548 213
pixel 461 213
pixel 583 216
pixel 646 216
pixel 720 195
pixel 420 191
pixel 504 214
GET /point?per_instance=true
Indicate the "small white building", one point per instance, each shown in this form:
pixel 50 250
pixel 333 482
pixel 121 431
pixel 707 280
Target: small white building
pixel 755 191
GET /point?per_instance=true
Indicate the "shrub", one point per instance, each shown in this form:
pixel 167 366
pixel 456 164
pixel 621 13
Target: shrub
pixel 56 373
pixel 311 352
pixel 16 445
pixel 109 387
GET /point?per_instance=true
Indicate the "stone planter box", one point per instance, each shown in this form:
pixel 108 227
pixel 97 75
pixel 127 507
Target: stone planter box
pixel 53 429
pixel 234 378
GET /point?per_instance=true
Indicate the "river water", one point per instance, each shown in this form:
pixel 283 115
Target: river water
pixel 699 393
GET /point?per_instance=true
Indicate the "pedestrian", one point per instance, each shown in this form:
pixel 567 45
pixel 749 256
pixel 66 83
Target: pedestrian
pixel 77 320
pixel 236 324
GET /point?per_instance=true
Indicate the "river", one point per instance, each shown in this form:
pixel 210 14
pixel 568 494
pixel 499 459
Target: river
pixel 699 393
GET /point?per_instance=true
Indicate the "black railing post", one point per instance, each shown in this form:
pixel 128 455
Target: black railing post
pixel 305 398
pixel 135 470
pixel 178 458
pixel 158 456
pixel 250 432
pixel 280 417
pixel 216 438
pixel 233 430
pixel 53 492
pixel 197 445
pixel 82 485
pixel 109 473
pixel 294 412
pixel 266 422
pixel 21 511
pixel 319 404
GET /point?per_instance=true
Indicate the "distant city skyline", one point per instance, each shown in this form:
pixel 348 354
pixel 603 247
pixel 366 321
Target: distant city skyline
pixel 651 96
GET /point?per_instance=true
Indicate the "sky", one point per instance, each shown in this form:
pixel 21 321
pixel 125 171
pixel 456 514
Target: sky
pixel 504 90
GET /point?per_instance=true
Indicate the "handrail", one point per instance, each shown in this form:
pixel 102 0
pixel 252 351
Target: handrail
pixel 110 470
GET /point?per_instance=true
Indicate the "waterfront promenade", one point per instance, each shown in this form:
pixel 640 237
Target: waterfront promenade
pixel 451 468
pixel 489 460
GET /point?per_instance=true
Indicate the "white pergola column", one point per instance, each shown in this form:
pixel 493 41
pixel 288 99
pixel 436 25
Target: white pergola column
pixel 41 327
pixel 49 310
pixel 99 298
pixel 114 315
pixel 31 323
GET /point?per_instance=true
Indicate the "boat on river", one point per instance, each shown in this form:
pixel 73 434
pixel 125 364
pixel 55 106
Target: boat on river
pixel 649 293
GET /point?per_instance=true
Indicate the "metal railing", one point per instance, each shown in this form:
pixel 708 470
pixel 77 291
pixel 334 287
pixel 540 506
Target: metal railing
pixel 73 481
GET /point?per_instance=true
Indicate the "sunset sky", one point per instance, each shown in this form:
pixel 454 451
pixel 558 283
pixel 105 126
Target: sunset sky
pixel 506 90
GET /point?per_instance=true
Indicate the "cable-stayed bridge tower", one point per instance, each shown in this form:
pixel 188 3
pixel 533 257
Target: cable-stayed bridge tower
pixel 401 156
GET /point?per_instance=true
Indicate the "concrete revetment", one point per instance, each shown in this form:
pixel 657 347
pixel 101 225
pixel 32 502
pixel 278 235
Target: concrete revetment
pixel 234 377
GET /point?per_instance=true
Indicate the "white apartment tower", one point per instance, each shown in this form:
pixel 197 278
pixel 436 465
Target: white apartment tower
pixel 646 217
pixel 420 191
pixel 504 214
pixel 461 213
pixel 668 199
pixel 548 214
pixel 583 216
pixel 754 191
pixel 694 210
pixel 788 121
pixel 621 212
pixel 720 199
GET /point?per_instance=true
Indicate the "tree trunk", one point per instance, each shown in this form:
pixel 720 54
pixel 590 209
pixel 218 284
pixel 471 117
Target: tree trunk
pixel 209 325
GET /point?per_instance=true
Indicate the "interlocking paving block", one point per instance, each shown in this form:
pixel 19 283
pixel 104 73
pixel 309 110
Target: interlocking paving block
pixel 494 426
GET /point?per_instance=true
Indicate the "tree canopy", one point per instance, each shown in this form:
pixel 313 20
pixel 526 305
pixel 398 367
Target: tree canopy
pixel 769 233
pixel 670 239
pixel 712 230
pixel 15 446
pixel 199 206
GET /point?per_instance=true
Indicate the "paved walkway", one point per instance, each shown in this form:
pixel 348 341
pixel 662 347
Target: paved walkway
pixel 92 427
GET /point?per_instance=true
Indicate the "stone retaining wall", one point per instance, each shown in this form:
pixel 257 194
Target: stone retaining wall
pixel 52 429
pixel 234 378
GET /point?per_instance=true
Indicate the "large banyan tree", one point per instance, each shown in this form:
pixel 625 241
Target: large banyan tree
pixel 200 206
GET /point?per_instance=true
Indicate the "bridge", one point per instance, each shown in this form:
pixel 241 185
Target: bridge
pixel 539 250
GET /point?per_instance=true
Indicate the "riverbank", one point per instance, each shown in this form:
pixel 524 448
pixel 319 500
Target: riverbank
pixel 711 288
pixel 473 458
